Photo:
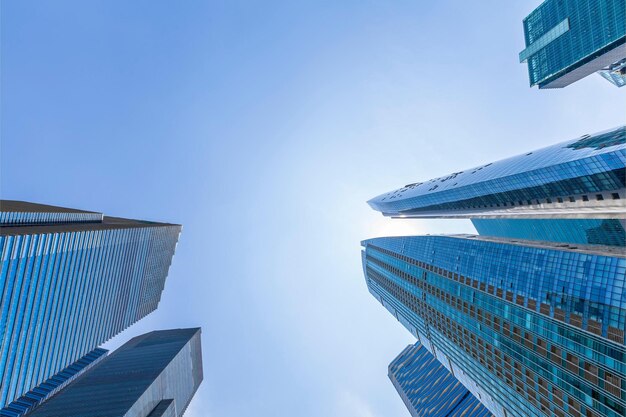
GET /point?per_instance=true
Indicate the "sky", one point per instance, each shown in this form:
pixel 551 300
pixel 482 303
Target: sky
pixel 263 127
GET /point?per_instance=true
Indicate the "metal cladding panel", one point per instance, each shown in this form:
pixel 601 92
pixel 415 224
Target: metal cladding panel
pixel 573 171
pixel 538 327
pixel 67 288
pixel 594 28
pixel 429 389
pixel 135 379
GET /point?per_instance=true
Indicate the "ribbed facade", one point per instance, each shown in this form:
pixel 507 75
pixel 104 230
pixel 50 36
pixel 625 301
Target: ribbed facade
pixel 21 213
pixel 567 40
pixel 532 328
pixel 69 285
pixel 153 375
pixel 580 178
pixel 51 386
pixel 429 389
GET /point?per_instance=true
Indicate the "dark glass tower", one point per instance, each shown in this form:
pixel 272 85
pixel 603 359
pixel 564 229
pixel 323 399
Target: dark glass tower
pixel 428 389
pixel 531 328
pixel 50 387
pixel 69 281
pixel 152 375
pixel 566 40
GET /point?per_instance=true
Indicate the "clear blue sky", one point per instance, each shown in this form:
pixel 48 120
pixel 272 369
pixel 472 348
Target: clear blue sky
pixel 263 127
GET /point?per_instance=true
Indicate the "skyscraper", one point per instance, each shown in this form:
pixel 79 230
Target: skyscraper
pixel 571 192
pixel 428 389
pixel 530 315
pixel 566 40
pixel 579 178
pixel 531 328
pixel 70 280
pixel 152 375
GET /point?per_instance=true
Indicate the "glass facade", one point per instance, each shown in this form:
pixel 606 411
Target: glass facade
pixel 584 174
pixel 615 73
pixel 429 389
pixel 69 285
pixel 567 40
pixel 155 374
pixel 44 391
pixel 584 231
pixel 532 328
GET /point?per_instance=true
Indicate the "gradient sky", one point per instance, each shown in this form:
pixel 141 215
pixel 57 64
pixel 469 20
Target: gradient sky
pixel 263 127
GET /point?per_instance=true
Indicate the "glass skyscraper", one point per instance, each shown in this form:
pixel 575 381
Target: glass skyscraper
pixel 572 192
pixel 152 375
pixel 530 315
pixel 69 281
pixel 566 40
pixel 579 178
pixel 531 328
pixel 428 389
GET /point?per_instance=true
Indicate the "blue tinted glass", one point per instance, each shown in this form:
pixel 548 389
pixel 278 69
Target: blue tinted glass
pixel 594 39
pixel 584 231
pixel 521 323
pixel 567 176
pixel 429 389
pixel 69 285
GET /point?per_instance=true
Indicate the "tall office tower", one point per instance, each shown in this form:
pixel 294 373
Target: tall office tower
pixel 566 40
pixel 152 375
pixel 582 177
pixel 530 328
pixel 571 192
pixel 428 389
pixel 70 280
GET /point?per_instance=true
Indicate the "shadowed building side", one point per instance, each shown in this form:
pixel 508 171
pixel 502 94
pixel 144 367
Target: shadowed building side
pixel 13 212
